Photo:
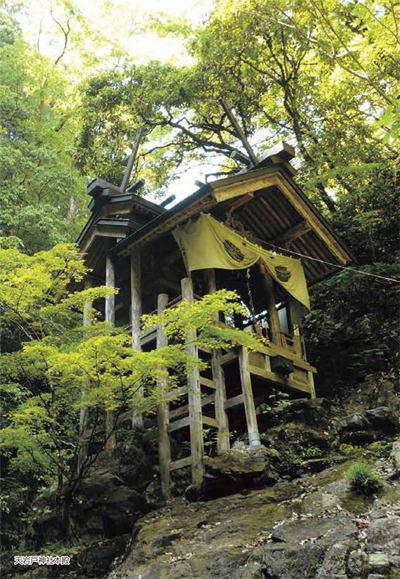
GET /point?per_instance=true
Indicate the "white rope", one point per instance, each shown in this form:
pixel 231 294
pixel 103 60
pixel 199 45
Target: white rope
pixel 391 279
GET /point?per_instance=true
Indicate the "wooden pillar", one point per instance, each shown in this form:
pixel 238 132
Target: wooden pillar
pixel 164 446
pixel 136 314
pixel 221 415
pixel 136 300
pixel 84 415
pixel 311 382
pixel 110 300
pixel 219 379
pixel 211 280
pixel 195 413
pixel 273 318
pixel 295 322
pixel 249 407
pixel 110 317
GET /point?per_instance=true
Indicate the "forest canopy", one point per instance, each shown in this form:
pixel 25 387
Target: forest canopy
pixel 322 75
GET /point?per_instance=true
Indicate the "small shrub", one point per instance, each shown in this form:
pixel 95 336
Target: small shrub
pixel 380 449
pixel 362 480
pixel 310 452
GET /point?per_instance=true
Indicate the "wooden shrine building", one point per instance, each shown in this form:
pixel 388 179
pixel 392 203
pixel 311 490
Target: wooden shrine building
pixel 129 243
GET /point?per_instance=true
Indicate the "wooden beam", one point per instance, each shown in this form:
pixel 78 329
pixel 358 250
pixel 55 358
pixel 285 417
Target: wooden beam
pixel 164 445
pixel 229 357
pixel 110 317
pixel 239 201
pixel 272 350
pixel 235 401
pixel 148 335
pixel 239 131
pixel 210 399
pixel 178 424
pixel 275 377
pixel 207 382
pixel 293 233
pixel 249 407
pixel 181 463
pixel 131 160
pixel 195 413
pixel 210 421
pixel 169 284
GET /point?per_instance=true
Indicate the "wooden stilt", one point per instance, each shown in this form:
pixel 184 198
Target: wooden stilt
pixel 220 400
pixel 249 407
pixel 84 412
pixel 196 422
pixel 211 280
pixel 273 318
pixel 110 300
pixel 312 387
pixel 136 300
pixel 219 380
pixel 164 446
pixel 136 314
pixel 110 317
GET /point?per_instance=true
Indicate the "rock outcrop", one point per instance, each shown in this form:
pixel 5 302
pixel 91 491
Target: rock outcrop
pixel 314 527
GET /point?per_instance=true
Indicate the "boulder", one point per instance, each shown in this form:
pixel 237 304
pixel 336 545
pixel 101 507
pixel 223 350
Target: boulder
pixel 368 426
pixel 97 560
pixel 334 565
pixel 384 419
pixel 278 561
pixel 238 469
pixel 325 530
pixel 395 456
pixel 357 563
pixel 353 423
pixel 120 509
pixel 384 534
pixel 313 412
pixel 378 562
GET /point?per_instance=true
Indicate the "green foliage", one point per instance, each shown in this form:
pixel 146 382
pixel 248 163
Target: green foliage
pixel 51 368
pixel 362 480
pixel 310 452
pixel 380 448
pixel 41 191
pixel 354 318
pixel 201 316
pixel 276 400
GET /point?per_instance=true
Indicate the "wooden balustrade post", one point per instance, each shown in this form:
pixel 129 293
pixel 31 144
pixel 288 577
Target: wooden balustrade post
pixel 194 392
pixel 84 415
pixel 164 445
pixel 110 317
pixel 136 314
pixel 221 415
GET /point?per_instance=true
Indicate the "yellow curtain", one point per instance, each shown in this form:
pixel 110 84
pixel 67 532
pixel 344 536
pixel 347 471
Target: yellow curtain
pixel 206 243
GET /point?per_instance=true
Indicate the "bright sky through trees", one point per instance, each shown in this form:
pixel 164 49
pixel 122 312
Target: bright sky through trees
pixel 120 29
